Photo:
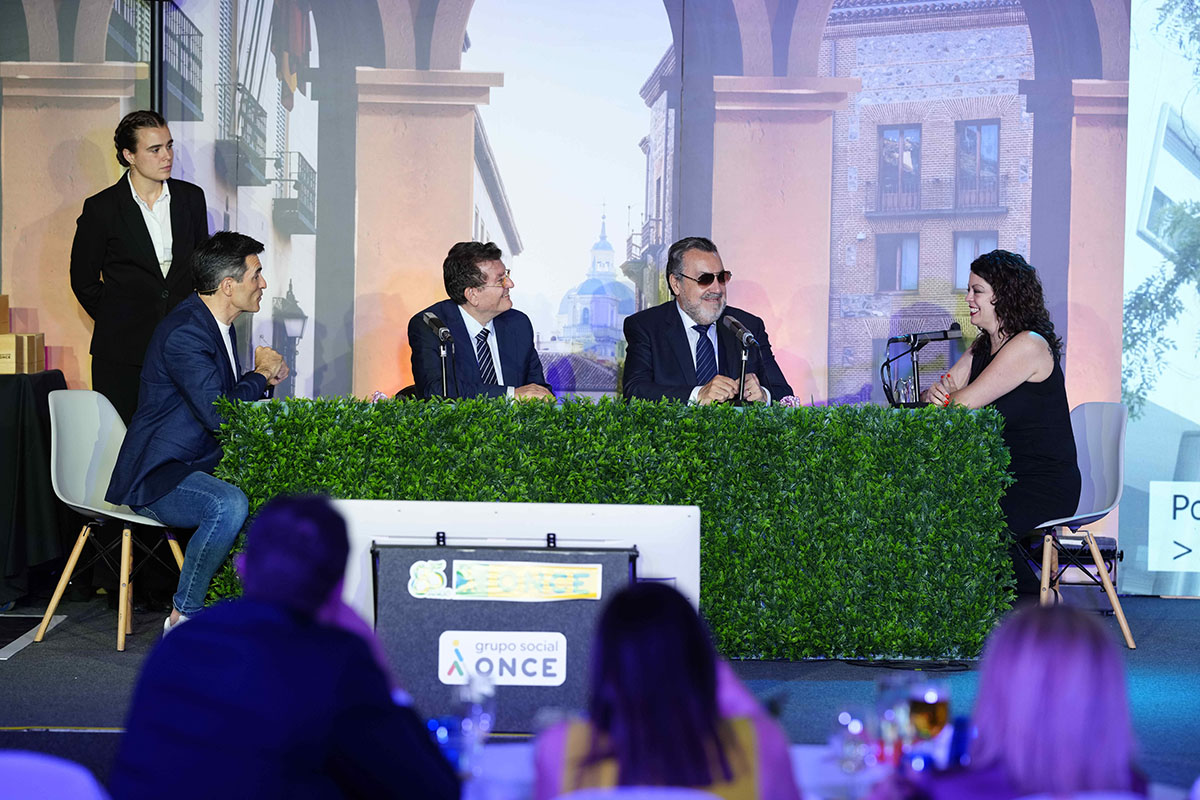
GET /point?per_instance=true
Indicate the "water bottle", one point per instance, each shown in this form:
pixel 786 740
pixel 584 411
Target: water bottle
pixel 477 710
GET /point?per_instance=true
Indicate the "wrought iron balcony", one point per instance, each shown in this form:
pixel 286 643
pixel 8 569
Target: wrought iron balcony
pixel 978 193
pixel 129 31
pixel 241 136
pixel 900 200
pixel 652 232
pixel 633 246
pixel 937 197
pixel 295 208
pixel 183 74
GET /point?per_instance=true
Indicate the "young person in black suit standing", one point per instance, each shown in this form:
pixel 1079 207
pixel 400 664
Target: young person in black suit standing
pixel 131 258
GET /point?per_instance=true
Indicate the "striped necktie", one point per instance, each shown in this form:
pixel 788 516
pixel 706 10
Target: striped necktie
pixel 487 370
pixel 706 359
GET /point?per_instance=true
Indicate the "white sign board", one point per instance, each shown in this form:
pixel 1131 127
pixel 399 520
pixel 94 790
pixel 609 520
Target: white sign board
pixel 1174 526
pixel 667 537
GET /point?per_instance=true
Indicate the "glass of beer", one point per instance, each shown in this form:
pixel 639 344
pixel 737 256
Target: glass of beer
pixel 928 708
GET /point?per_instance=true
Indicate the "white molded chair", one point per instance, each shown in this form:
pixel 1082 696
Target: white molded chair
pixel 1099 430
pixel 27 774
pixel 85 437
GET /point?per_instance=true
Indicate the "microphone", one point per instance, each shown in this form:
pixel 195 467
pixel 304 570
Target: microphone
pixel 739 330
pixel 437 326
pixel 953 332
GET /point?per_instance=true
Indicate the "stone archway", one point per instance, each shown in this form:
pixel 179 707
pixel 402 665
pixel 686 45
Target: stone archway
pixel 736 117
pixel 1079 99
pixel 1079 104
pixel 351 35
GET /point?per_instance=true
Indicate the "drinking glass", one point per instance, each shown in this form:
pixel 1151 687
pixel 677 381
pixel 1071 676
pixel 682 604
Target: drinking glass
pixel 928 708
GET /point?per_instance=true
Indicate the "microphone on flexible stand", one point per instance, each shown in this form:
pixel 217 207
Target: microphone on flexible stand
pixel 915 342
pixel 953 332
pixel 746 338
pixel 444 337
pixel 437 326
pixel 743 334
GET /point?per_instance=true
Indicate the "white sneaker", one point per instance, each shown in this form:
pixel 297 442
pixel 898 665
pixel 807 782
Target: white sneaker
pixel 167 626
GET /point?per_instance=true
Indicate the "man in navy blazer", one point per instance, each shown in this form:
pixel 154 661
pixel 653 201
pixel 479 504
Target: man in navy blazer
pixel 284 693
pixel 165 464
pixel 682 348
pixel 132 255
pixel 492 350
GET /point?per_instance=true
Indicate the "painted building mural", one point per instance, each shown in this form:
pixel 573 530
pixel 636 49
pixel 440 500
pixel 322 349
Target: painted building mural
pixel 848 157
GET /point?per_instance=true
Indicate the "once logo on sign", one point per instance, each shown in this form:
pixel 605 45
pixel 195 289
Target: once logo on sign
pixel 507 658
pixel 526 581
pixel 510 581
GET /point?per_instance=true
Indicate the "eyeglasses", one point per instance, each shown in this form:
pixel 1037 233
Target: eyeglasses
pixel 706 278
pixel 505 278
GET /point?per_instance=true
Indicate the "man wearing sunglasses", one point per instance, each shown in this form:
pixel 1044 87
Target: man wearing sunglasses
pixel 681 350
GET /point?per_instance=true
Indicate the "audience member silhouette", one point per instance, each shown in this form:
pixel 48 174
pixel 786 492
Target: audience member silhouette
pixel 283 693
pixel 664 711
pixel 1052 716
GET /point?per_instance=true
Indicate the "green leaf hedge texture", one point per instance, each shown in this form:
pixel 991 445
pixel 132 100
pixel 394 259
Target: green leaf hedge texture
pixel 836 532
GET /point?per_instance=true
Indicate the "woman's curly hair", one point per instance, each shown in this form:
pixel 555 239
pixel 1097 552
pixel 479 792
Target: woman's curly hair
pixel 1020 303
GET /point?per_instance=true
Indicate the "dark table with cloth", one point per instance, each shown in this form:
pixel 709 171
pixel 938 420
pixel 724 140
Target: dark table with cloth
pixel 34 525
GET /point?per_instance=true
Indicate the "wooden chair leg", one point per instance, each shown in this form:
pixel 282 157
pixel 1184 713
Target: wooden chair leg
pixel 1109 590
pixel 63 581
pixel 1047 549
pixel 129 610
pixel 174 545
pixel 123 598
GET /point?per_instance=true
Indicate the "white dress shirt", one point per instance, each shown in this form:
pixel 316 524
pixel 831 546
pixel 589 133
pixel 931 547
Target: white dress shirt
pixel 693 336
pixel 473 329
pixel 225 334
pixel 158 223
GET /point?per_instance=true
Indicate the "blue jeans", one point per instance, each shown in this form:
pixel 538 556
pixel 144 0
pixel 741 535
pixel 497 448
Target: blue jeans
pixel 216 510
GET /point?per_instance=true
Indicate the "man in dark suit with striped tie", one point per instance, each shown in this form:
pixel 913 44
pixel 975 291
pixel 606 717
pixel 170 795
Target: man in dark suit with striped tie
pixel 492 349
pixel 681 350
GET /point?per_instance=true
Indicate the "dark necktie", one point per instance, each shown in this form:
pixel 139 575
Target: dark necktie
pixel 237 365
pixel 706 359
pixel 487 370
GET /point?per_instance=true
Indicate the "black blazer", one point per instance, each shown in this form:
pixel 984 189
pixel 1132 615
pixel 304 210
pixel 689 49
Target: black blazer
pixel 659 363
pixel 115 272
pixel 514 338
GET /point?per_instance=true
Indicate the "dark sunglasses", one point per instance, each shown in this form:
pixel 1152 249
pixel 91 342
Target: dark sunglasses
pixel 706 278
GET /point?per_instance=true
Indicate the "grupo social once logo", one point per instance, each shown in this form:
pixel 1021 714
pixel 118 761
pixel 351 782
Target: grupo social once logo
pixel 507 658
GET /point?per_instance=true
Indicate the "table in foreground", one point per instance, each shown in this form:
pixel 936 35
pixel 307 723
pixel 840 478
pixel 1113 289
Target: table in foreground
pixel 506 773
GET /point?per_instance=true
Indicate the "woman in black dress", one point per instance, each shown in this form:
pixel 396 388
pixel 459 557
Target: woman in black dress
pixel 1014 365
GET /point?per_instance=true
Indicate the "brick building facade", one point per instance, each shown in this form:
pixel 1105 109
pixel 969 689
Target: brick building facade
pixel 931 166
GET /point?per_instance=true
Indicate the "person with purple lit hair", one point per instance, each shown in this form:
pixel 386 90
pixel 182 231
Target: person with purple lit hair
pixel 664 711
pixel 1052 716
pixel 283 693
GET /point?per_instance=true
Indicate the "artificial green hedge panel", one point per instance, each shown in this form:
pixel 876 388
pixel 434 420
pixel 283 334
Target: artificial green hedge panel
pixel 850 531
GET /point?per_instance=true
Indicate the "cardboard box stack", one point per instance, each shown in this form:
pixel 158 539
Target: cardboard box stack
pixel 19 352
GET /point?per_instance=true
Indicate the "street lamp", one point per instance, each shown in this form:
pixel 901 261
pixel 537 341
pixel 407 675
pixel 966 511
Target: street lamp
pixel 287 314
pixel 288 311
